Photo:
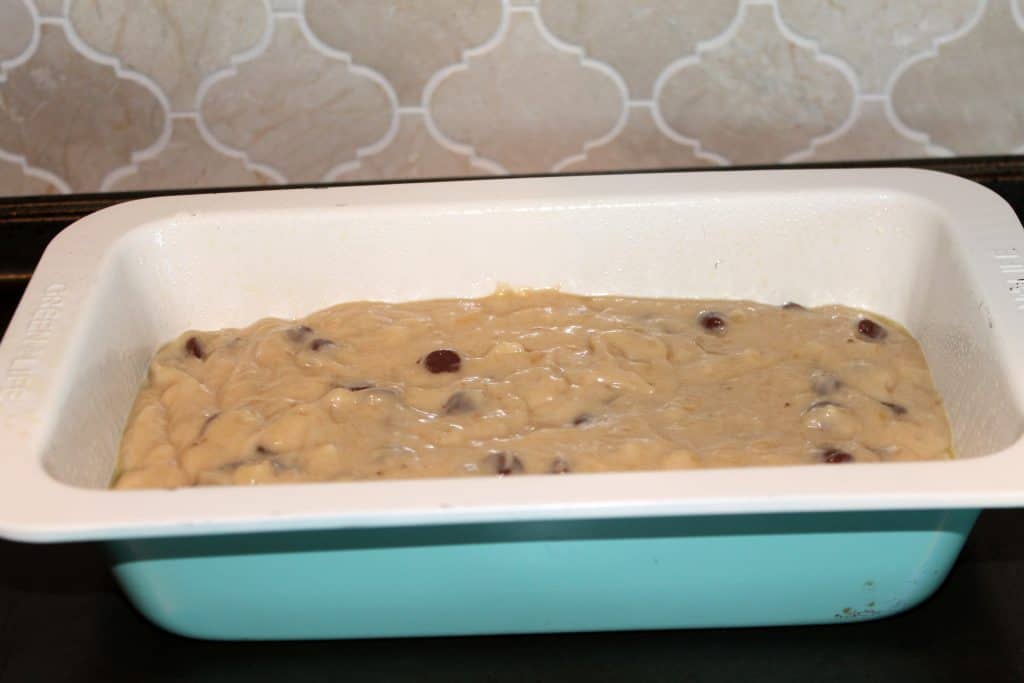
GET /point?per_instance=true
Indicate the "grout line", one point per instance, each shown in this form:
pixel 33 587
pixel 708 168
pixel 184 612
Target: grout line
pixel 845 70
pixel 931 52
pixel 368 73
pixel 811 148
pixel 211 79
pixel 724 37
pixel 30 49
pixel 35 172
pixel 285 10
pixel 586 62
pixel 933 49
pixel 247 55
pixel 123 72
pixel 443 74
pixel 840 65
pixel 918 136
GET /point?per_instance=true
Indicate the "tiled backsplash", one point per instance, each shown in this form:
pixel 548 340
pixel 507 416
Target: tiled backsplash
pixel 133 94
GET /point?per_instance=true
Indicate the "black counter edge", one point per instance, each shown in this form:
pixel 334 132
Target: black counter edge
pixel 28 223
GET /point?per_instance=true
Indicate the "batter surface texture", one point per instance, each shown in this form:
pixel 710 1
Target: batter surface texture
pixel 530 382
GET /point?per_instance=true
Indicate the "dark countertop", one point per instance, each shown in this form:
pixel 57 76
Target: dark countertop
pixel 62 618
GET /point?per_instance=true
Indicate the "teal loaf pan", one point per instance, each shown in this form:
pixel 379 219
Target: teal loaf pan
pixel 542 577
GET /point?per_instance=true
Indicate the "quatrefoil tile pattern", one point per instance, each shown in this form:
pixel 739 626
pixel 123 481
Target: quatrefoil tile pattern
pixel 100 95
pixel 380 35
pixel 557 85
pixel 937 97
pixel 73 118
pixel 152 37
pixel 296 111
pixel 638 38
pixel 413 153
pixel 188 161
pixel 754 96
pixel 876 36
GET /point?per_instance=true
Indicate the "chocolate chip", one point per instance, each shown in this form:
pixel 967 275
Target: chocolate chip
pixel 896 408
pixel 297 334
pixel 870 330
pixel 793 306
pixel 824 383
pixel 194 347
pixel 712 322
pixel 835 456
pixel 442 360
pixel 560 466
pixel 263 450
pixel 318 344
pixel 457 403
pixel 503 464
pixel 581 419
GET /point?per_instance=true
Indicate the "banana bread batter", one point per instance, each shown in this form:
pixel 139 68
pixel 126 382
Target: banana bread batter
pixel 530 382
